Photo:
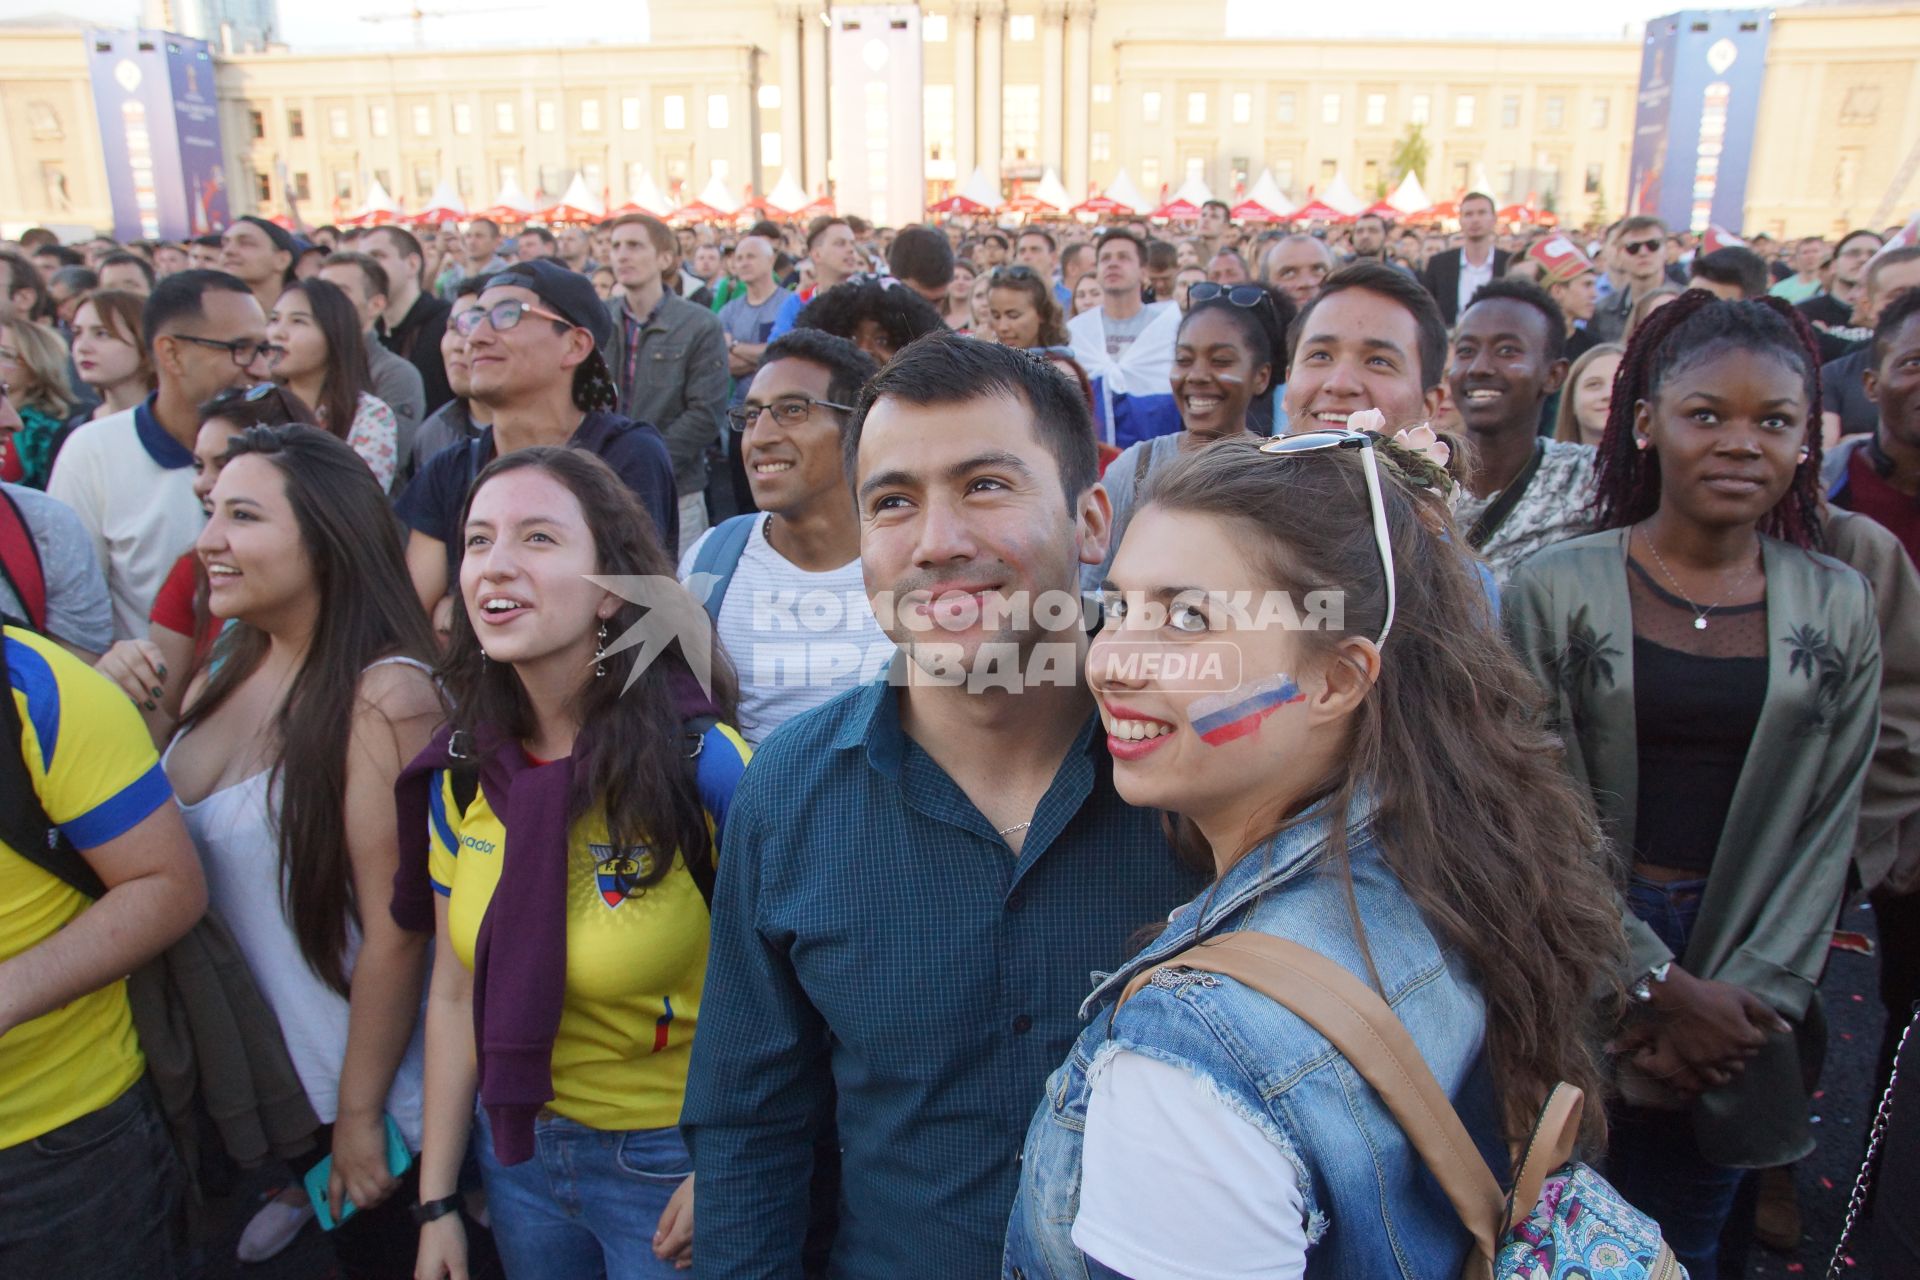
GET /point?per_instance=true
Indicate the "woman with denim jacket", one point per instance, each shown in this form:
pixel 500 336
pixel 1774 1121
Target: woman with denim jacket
pixel 1297 666
pixel 1717 682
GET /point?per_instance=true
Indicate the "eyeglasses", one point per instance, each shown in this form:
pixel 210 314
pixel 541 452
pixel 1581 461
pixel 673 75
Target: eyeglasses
pixel 1318 441
pixel 243 351
pixel 788 411
pixel 1640 246
pixel 1240 295
pixel 503 316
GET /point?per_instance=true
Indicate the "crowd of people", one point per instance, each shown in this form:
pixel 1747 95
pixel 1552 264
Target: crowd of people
pixel 570 745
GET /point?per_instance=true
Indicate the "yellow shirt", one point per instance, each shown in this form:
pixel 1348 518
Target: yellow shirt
pixel 97 776
pixel 636 961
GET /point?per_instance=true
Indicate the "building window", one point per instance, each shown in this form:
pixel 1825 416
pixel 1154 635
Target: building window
pixel 1020 116
pixel 503 117
pixel 938 106
pixel 1599 111
pixel 1463 105
pixel 1330 108
pixel 768 96
pixel 1593 179
pixel 1242 108
pixel 673 112
pixel 933 28
pixel 302 185
pixel 1510 111
pixel 296 124
pixel 1103 93
pixel 1020 28
pixel 590 115
pixel 1196 108
pixel 422 121
pixel 262 187
pixel 1283 108
pixel 546 117
pixel 1419 109
pixel 717 111
pixel 1101 146
pixel 1376 108
pixel 770 153
pixel 629 113
pixel 1150 107
pixel 1553 113
pixel 256 125
pixel 422 182
pixel 463 117
pixel 337 123
pixel 1370 175
pixel 1860 105
pixel 378 123
pixel 342 185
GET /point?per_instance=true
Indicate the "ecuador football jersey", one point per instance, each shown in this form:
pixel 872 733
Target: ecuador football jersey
pixel 636 957
pixel 97 776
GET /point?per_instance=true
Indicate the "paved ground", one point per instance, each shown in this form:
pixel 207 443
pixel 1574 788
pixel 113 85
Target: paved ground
pixel 1824 1179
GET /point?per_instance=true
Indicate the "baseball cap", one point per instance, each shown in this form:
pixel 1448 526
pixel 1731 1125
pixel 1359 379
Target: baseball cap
pixel 570 294
pixel 1560 260
pixel 282 238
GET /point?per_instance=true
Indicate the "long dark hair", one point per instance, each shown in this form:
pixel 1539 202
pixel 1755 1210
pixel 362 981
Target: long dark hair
pixel 629 755
pixel 348 375
pixel 367 610
pixel 1478 819
pixel 1676 337
pixel 1039 293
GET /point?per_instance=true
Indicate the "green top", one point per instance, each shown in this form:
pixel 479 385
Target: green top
pixel 1780 870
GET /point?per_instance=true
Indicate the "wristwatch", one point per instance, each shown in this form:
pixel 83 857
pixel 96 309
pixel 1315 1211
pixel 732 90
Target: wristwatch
pixel 427 1210
pixel 1641 992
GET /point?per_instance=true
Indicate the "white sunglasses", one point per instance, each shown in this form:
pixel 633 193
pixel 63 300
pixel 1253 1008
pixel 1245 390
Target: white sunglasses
pixel 1316 441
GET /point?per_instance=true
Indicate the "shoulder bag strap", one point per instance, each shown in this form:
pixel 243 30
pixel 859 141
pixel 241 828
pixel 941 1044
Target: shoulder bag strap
pixel 1358 1023
pixel 720 556
pixel 20 562
pixel 24 825
pixel 1496 515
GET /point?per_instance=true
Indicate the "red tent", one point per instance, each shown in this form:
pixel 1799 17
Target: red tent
pixel 438 216
pixel 698 211
pixel 1381 209
pixel 955 203
pixel 1027 204
pixel 820 205
pixel 1100 205
pixel 1518 213
pixel 1445 209
pixel 1317 211
pixel 371 218
pixel 1177 208
pixel 1254 211
pixel 564 212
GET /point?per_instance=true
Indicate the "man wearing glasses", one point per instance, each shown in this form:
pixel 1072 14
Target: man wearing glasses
pixel 786 593
pixel 1640 253
pixel 129 476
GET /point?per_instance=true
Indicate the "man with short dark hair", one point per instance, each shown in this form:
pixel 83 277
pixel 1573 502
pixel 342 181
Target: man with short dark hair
pixel 479 255
pixel 1809 260
pixel 50 258
pixel 1369 238
pixel 261 254
pixel 576 250
pixel 534 242
pixel 994 249
pixel 1228 267
pixel 1639 253
pixel 69 288
pixel 1733 273
pixel 1216 219
pixel 1126 346
pixel 129 475
pixel 835 255
pixel 413 321
pixel 1455 276
pixel 127 272
pixel 168 258
pixel 1831 309
pixel 203 253
pixel 921 259
pixel 959 813
pixel 1076 260
pixel 1163 263
pixel 1843 382
pixel 1034 249
pixel 395 381
pixel 1370 338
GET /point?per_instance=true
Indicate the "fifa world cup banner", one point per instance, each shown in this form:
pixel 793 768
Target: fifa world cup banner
pixel 159 133
pixel 1700 81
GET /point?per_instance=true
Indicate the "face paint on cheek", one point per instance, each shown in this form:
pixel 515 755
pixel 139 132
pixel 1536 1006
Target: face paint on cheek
pixel 1222 717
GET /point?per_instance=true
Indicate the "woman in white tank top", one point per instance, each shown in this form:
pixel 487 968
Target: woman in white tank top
pixel 318 695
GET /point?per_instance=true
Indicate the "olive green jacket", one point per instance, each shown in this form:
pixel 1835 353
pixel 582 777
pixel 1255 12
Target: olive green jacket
pixel 1779 872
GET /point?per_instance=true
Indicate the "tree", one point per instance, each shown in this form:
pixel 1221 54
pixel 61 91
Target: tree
pixel 1411 153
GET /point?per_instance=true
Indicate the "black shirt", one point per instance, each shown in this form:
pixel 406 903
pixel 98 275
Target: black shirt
pixel 416 339
pixel 434 502
pixel 1843 390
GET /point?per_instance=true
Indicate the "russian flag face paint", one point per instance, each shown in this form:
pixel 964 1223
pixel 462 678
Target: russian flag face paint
pixel 1222 717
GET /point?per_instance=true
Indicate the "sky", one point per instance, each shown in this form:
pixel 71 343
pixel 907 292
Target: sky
pixel 338 24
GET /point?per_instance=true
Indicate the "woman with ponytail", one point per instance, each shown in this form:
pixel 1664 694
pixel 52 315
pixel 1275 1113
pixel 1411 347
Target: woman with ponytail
pixel 1716 681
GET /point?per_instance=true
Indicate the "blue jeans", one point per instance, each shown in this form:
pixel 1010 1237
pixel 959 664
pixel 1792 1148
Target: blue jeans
pixel 587 1204
pixel 99 1198
pixel 1651 1155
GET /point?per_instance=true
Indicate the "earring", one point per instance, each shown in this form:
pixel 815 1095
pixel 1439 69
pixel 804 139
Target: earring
pixel 600 652
pixel 1641 443
pixel 1805 453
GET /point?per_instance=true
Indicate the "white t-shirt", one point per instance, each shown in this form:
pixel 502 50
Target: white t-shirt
pixel 1175 1186
pixel 131 484
pixel 1472 278
pixel 796 638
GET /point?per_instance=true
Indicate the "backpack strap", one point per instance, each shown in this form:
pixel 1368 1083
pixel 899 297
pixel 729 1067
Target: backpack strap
pixel 1358 1023
pixel 24 824
pixel 20 562
pixel 1496 515
pixel 720 556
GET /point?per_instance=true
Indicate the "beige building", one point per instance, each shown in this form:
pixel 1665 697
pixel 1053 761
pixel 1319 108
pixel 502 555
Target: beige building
pixel 743 89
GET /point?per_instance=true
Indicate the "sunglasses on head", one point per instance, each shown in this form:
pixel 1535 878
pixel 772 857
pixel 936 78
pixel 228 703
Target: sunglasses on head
pixel 1240 295
pixel 1320 442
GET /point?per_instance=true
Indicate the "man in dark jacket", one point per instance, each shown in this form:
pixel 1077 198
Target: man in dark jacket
pixel 1455 276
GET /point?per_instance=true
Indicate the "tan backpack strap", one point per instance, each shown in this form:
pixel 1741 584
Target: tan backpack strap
pixel 1358 1023
pixel 1551 1145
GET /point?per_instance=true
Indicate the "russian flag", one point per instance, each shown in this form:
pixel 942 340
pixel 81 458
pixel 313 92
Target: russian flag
pixel 1132 392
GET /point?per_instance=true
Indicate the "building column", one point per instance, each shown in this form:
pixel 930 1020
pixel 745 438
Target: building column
pixel 1052 67
pixel 1079 95
pixel 965 14
pixel 993 23
pixel 813 39
pixel 791 158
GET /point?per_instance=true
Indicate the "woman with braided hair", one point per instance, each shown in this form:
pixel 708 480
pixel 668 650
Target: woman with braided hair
pixel 1716 679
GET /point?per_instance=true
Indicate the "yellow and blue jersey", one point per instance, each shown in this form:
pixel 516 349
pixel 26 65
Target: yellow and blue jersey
pixel 636 959
pixel 97 776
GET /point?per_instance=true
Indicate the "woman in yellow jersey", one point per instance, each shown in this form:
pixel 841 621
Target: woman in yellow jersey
pixel 558 838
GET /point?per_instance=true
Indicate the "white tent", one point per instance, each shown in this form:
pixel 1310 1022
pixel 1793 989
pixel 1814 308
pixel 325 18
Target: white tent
pixel 512 200
pixel 445 200
pixel 647 196
pixel 1053 192
pixel 716 196
pixel 1122 190
pixel 1410 196
pixel 380 207
pixel 982 189
pixel 787 195
pixel 579 199
pixel 1340 196
pixel 1268 195
pixel 1194 191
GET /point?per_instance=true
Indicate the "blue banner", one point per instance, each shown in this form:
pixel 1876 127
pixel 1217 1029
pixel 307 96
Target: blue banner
pixel 1700 81
pixel 153 93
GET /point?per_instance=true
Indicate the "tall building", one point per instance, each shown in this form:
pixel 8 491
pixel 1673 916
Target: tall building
pixel 230 26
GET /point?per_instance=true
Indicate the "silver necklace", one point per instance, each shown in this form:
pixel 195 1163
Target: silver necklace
pixel 1699 614
pixel 1018 826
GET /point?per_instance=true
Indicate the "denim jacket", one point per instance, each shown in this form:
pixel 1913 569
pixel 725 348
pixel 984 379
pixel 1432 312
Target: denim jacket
pixel 1372 1210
